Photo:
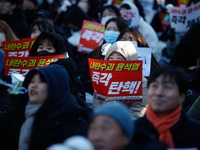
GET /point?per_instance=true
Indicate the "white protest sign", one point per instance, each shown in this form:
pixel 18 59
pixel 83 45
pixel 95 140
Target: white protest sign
pixel 144 54
pixel 132 17
pixel 183 18
pixel 147 5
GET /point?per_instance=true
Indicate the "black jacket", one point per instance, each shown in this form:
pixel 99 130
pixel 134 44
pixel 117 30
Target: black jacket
pixel 60 116
pixel 17 23
pixel 185 133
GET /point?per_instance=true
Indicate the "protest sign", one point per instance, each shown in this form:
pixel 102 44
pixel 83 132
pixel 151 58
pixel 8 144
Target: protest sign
pixel 144 54
pixel 132 17
pixel 19 48
pixel 92 35
pixel 117 3
pixel 147 5
pixel 183 18
pixel 119 79
pixel 182 3
pixel 164 20
pixel 22 65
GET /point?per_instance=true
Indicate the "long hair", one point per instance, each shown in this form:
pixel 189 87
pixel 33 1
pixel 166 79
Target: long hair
pixel 10 35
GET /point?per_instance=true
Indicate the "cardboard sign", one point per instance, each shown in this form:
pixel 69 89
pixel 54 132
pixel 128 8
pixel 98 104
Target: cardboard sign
pixel 92 35
pixel 164 20
pixel 147 5
pixel 119 79
pixel 23 65
pixel 19 48
pixel 132 17
pixel 144 54
pixel 182 3
pixel 183 18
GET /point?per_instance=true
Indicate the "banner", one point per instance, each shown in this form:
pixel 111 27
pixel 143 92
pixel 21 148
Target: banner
pixel 19 48
pixel 132 17
pixel 92 35
pixel 147 5
pixel 182 3
pixel 24 64
pixel 121 80
pixel 183 18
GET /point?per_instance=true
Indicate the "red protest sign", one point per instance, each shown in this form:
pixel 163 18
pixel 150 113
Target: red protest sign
pixel 92 35
pixel 182 3
pixel 24 44
pixel 24 64
pixel 119 79
pixel 164 20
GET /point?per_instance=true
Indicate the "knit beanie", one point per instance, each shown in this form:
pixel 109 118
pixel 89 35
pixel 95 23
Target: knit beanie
pixel 125 48
pixel 120 113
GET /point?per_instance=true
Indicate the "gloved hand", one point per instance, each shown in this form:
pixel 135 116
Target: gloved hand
pixel 171 34
pixel 5 79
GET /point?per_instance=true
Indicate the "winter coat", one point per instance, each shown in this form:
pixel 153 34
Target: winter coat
pixel 185 133
pixel 137 109
pixel 17 23
pixel 60 43
pixel 59 117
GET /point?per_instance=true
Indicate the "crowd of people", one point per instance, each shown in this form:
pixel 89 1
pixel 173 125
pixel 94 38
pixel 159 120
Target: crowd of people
pixel 54 113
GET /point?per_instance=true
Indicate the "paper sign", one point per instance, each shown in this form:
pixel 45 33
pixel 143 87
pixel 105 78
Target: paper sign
pixel 119 79
pixel 164 20
pixel 24 44
pixel 24 64
pixel 132 17
pixel 147 5
pixel 182 3
pixel 144 54
pixel 92 35
pixel 183 18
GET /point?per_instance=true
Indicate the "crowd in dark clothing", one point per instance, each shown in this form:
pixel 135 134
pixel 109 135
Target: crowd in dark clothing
pixel 62 110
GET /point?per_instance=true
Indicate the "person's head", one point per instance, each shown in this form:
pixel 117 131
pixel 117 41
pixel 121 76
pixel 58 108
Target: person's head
pixel 121 50
pixel 113 28
pixel 108 12
pixel 43 15
pixel 48 85
pixel 133 35
pixel 111 127
pixel 167 87
pixel 126 5
pixel 192 2
pixel 6 33
pixel 47 44
pixel 8 6
pixel 29 5
pixel 39 26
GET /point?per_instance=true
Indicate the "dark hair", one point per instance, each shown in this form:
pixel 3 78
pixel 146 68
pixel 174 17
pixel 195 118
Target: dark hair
pixel 178 75
pixel 111 8
pixel 48 40
pixel 121 23
pixel 43 25
pixel 137 35
pixel 192 1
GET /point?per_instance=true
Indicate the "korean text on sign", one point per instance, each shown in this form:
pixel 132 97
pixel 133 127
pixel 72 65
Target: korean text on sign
pixel 119 79
pixel 92 35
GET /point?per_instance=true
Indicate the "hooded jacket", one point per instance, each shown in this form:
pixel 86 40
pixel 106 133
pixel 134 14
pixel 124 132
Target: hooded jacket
pixel 59 117
pixel 148 33
pixel 127 49
pixel 60 43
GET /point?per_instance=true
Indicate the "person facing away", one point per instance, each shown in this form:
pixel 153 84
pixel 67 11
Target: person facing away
pixel 165 121
pixel 111 127
pixel 47 114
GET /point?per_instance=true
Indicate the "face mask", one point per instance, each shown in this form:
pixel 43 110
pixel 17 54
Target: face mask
pixel 111 36
pixel 84 6
pixel 105 19
pixel 2 38
pixel 135 43
pixel 45 53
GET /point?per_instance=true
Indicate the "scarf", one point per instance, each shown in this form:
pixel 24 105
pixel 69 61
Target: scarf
pixel 163 124
pixel 26 128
